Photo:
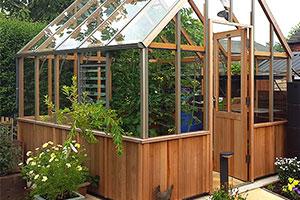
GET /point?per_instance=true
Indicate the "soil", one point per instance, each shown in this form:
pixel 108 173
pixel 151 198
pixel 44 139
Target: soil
pixel 277 188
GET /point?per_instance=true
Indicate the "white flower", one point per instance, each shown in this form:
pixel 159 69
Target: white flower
pixel 45 145
pixel 60 146
pixel 28 153
pixel 51 159
pixel 37 149
pixel 73 148
pixel 36 177
pixel 48 166
pixel 52 155
pixel 29 160
pixel 33 163
pixel 68 165
pixel 20 164
pixel 45 178
pixel 79 168
pixel 31 172
pixel 41 154
pixel 50 142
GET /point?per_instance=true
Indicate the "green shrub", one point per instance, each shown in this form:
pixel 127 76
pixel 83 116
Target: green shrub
pixel 14 34
pixel 287 168
pixel 9 152
pixel 54 172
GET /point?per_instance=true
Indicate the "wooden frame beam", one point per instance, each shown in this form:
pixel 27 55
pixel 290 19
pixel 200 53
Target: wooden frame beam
pixel 276 27
pixel 271 76
pixel 172 46
pixel 21 86
pixel 178 30
pixel 37 87
pixel 144 93
pixel 50 66
pixel 56 81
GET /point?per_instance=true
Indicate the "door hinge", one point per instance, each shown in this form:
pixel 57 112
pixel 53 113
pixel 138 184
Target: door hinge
pixel 248 158
pixel 248 101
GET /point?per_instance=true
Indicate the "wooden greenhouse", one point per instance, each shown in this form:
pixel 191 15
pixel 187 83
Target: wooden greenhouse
pixel 188 82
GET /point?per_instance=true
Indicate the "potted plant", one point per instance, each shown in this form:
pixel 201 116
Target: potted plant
pixel 55 172
pixel 12 184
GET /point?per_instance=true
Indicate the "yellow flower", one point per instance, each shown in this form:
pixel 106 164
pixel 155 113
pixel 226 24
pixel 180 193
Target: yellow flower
pixel 79 168
pixel 290 180
pixel 36 177
pixel 296 182
pixel 290 187
pixel 52 155
pixel 45 178
pixel 28 153
pixel 29 160
pixel 77 145
pixel 45 145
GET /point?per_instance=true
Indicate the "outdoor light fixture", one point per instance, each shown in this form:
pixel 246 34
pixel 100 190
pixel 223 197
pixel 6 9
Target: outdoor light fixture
pixel 226 4
pixel 225 13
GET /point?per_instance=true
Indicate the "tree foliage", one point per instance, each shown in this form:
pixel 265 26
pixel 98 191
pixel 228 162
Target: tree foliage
pixel 34 10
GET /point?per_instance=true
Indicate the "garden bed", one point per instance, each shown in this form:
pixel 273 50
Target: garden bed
pixel 12 187
pixel 180 160
pixel 276 188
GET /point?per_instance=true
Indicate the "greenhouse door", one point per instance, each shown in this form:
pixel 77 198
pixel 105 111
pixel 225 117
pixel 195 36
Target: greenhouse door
pixel 230 101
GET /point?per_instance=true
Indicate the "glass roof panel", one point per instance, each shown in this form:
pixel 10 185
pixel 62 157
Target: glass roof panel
pixel 62 33
pixel 101 15
pixel 145 22
pixel 107 30
pixel 57 23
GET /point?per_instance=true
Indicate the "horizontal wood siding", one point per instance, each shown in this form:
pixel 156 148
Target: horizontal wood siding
pixel 183 162
pixel 269 143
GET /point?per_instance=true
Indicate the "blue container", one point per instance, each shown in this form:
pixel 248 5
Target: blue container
pixel 186 118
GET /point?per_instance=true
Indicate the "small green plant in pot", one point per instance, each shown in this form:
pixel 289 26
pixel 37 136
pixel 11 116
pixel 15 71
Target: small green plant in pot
pixel 54 172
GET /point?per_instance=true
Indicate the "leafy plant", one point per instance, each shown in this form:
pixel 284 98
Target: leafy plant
pixel 54 172
pixel 85 116
pixel 292 189
pixel 221 194
pixel 10 152
pixel 286 168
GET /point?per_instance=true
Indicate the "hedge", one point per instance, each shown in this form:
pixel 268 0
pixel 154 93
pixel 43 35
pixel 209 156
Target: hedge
pixel 14 34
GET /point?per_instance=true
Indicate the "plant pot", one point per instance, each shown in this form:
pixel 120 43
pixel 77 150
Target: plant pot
pixel 83 188
pixel 12 187
pixel 79 197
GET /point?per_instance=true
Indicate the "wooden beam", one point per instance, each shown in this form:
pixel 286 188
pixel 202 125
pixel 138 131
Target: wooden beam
pixel 172 46
pixel 56 81
pixel 276 27
pixel 266 55
pixel 178 31
pixel 21 86
pixel 197 11
pixel 75 65
pixel 144 91
pixel 271 76
pixel 50 66
pixel 228 96
pixel 37 87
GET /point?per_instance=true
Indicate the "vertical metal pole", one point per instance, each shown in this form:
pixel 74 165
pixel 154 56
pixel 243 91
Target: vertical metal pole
pixel 224 175
pixel 271 76
pixel 144 92
pixel 178 74
pixel 206 101
pixel 107 80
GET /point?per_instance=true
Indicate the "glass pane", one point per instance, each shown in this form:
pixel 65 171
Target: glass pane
pixel 126 89
pixel 145 22
pixel 63 33
pixel 222 75
pixel 192 101
pixel 103 13
pixel 115 23
pixel 58 23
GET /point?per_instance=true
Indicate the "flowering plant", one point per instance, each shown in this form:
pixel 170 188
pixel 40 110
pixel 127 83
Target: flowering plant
pixel 292 188
pixel 55 171
pixel 286 168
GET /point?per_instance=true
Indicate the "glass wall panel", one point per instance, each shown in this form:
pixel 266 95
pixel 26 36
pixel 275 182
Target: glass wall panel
pixel 58 23
pixel 66 30
pixel 145 22
pixel 112 24
pixel 280 89
pixel 103 15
